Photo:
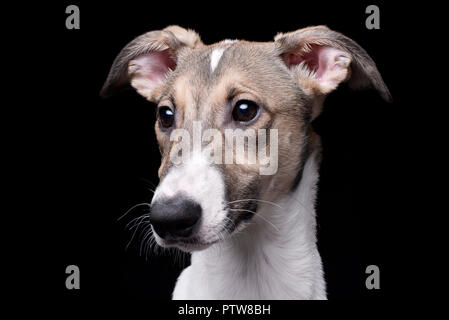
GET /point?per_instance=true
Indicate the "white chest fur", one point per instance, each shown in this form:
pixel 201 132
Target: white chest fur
pixel 275 257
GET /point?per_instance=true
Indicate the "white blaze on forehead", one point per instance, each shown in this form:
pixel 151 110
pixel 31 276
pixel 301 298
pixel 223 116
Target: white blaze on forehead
pixel 215 57
pixel 227 41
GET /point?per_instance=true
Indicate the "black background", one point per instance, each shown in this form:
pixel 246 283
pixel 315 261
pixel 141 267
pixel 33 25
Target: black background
pixel 89 159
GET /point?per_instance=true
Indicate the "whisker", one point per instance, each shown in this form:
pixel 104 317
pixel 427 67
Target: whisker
pixel 148 182
pixel 147 240
pixel 301 204
pixel 145 233
pixel 258 200
pixel 132 208
pixel 135 231
pixel 150 248
pixel 137 224
pixel 135 220
pixel 257 215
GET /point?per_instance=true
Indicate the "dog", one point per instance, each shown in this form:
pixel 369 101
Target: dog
pixel 251 236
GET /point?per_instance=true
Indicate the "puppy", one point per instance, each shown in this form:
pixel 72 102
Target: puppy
pixel 251 233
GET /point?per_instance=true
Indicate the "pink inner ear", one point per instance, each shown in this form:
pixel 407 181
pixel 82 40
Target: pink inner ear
pixel 319 59
pixel 153 67
pixel 161 62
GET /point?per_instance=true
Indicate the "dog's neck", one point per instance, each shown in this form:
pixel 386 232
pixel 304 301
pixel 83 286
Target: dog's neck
pixel 275 257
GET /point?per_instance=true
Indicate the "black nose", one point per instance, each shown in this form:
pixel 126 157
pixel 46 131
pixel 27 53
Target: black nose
pixel 176 217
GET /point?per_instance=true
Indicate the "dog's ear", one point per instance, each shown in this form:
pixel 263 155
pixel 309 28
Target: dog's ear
pixel 145 61
pixel 320 59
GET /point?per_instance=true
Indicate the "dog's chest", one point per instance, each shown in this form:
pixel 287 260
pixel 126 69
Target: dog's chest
pixel 256 276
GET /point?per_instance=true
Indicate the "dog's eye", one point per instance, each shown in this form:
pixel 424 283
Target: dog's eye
pixel 166 116
pixel 245 110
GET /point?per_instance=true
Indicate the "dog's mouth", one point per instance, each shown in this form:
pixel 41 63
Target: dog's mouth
pixel 187 245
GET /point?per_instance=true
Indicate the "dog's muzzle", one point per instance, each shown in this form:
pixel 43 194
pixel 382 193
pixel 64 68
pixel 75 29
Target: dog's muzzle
pixel 175 218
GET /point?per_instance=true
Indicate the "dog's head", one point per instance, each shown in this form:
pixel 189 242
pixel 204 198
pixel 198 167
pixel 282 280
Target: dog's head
pixel 211 97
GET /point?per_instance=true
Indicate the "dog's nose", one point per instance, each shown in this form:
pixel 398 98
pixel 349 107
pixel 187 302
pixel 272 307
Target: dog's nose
pixel 176 217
